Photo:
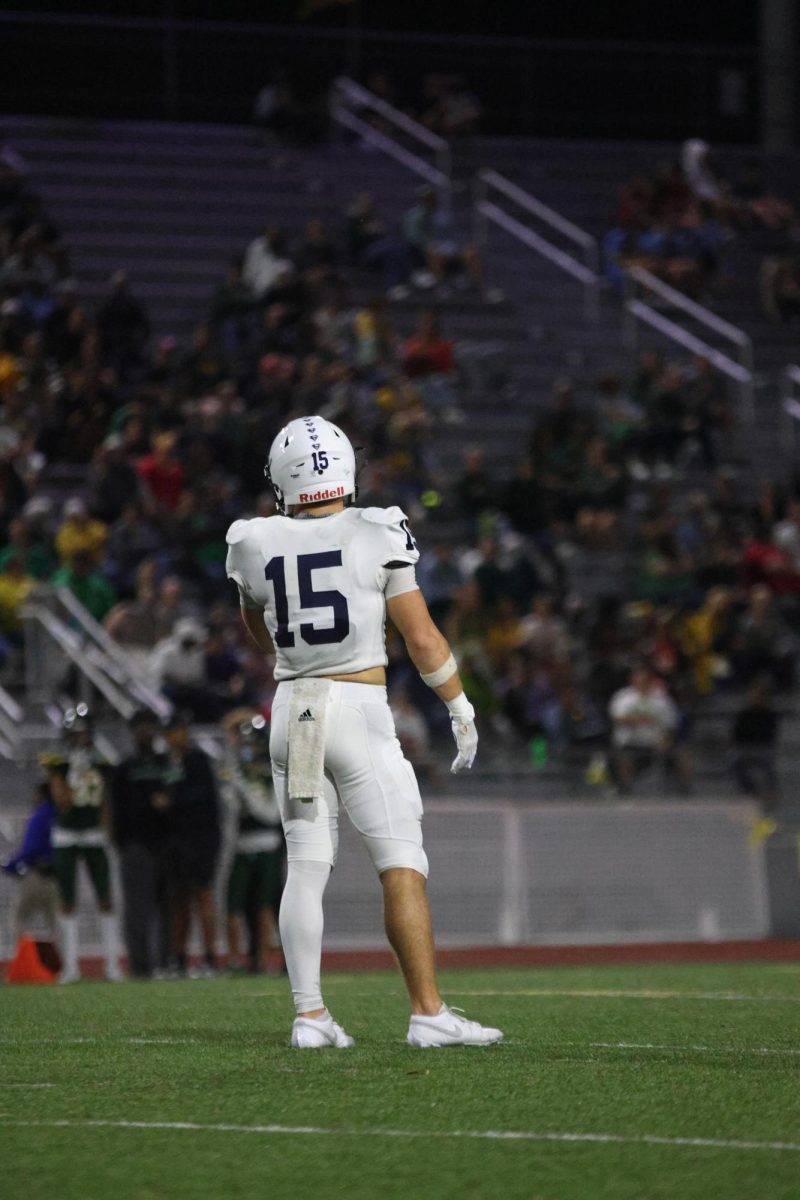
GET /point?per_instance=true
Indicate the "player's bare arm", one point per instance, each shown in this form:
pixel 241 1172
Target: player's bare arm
pixel 427 646
pixel 431 655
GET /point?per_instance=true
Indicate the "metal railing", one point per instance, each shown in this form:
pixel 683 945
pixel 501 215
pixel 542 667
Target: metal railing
pixel 738 369
pixel 349 100
pixel 110 657
pixel 45 633
pixel 586 272
pixel 11 716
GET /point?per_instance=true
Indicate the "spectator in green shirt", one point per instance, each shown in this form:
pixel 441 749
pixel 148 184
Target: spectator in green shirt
pixel 36 556
pixel 87 585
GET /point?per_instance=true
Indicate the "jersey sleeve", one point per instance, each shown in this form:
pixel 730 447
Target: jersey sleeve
pixel 243 562
pixel 397 549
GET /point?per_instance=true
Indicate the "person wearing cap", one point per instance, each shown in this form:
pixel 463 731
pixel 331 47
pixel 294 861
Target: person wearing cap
pixel 80 534
pixel 178 665
pixel 192 843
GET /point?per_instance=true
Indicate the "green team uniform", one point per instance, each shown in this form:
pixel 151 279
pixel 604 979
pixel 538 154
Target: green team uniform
pixel 78 834
pixel 257 869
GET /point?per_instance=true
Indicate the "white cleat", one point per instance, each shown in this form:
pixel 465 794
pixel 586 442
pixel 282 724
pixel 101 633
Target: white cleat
pixel 69 977
pixel 449 1028
pixel 315 1033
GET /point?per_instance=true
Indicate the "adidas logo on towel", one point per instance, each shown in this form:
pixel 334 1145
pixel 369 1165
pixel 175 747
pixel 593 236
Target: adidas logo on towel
pixel 306 716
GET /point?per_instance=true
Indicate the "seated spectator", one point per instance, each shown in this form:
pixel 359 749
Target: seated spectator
pixel 315 252
pixel 28 274
pixel 205 365
pixel 179 666
pixel 113 481
pixel 755 736
pixel 439 580
pixel 370 246
pixel 427 352
pixel 80 534
pixel 635 204
pixel 131 623
pixel 707 640
pixel 87 584
pixel 131 539
pixel 644 724
pixel 162 472
pixel 284 114
pixel 544 634
pixel 375 336
pixel 435 252
pixel 123 327
pixel 35 554
pixel 763 644
pixel 450 108
pixel 15 587
pixel 265 265
pixel 231 309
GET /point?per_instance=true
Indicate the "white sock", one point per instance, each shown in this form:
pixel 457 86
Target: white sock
pixel 301 924
pixel 108 936
pixel 69 944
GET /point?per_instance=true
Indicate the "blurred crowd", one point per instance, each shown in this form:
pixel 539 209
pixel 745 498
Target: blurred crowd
pixel 591 559
pixel 676 221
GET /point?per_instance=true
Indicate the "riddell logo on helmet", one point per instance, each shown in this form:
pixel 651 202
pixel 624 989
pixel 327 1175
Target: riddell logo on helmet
pixel 321 494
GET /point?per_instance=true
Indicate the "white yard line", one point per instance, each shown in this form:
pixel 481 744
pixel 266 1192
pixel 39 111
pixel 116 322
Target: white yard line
pixel 156 1041
pixel 703 1049
pixel 627 994
pixel 84 1041
pixel 491 1135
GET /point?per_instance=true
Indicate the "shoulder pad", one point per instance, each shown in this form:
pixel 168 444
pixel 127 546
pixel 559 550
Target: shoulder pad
pixel 383 516
pixel 243 528
pixel 237 532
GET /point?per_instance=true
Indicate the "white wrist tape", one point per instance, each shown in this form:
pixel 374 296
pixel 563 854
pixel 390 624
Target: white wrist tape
pixel 460 709
pixel 441 674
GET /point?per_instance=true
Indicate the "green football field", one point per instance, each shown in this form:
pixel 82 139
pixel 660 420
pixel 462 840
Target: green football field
pixel 640 1082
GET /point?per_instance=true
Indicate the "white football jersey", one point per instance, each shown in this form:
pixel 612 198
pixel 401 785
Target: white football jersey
pixel 321 582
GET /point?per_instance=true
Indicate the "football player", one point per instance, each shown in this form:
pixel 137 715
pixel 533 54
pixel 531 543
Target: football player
pixel 256 874
pixel 316 582
pixel 77 780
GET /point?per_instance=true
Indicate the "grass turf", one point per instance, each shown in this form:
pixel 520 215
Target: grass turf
pixel 684 1052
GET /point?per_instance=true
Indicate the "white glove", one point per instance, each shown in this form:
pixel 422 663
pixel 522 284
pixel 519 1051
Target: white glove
pixel 462 721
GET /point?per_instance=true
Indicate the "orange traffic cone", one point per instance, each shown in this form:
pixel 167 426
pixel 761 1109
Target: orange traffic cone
pixel 26 966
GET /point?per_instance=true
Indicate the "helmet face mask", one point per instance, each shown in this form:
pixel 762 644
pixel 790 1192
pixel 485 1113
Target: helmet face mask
pixel 311 461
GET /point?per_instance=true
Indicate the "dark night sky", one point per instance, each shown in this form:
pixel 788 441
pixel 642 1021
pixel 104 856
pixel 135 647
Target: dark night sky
pixel 692 21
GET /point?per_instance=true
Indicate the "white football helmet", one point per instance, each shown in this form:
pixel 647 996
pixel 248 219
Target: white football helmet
pixel 311 460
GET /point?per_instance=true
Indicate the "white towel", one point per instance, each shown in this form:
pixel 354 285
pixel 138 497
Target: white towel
pixel 307 710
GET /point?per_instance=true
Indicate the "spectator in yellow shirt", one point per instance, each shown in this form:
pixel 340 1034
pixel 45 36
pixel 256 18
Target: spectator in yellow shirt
pixel 80 534
pixel 15 584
